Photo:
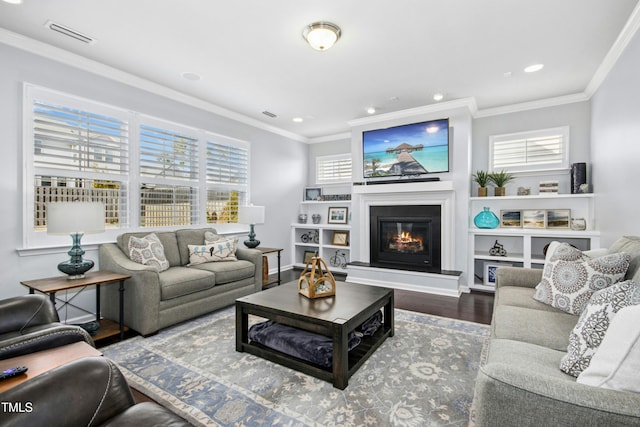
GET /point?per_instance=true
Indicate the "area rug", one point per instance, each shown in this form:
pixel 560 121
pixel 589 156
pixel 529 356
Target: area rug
pixel 422 376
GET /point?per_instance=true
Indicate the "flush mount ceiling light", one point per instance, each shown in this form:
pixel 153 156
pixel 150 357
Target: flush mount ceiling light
pixel 321 35
pixel 533 68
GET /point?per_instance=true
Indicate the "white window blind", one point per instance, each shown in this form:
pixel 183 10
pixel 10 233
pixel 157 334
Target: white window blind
pixel 333 168
pixel 227 178
pixel 530 151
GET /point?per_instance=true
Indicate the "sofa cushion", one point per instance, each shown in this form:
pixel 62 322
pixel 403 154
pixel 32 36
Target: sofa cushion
pixel 549 329
pixel 631 246
pixel 518 296
pixel 189 236
pixel 221 250
pixel 167 238
pixel 149 251
pixel 570 277
pixel 227 272
pixel 179 281
pixel 594 322
pixel 616 364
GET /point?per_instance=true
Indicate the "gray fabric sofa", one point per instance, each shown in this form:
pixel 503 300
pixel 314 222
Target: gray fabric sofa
pixel 156 300
pixel 521 383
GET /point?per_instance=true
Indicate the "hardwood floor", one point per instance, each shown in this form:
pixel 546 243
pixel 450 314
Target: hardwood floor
pixel 473 307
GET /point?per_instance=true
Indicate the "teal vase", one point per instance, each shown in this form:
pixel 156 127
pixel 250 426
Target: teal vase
pixel 486 219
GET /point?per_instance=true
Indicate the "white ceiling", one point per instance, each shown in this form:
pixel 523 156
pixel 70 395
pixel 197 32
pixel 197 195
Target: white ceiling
pixel 393 55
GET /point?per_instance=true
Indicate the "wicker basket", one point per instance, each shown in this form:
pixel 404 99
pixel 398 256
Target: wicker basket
pixel 316 280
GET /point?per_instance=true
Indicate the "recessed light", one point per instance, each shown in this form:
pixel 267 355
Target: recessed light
pixel 438 97
pixel 13 1
pixel 533 68
pixel 298 119
pixel 191 76
pixel 507 74
pixel 371 110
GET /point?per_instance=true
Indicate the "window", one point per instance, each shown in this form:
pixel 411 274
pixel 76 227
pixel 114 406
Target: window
pixel 148 172
pixel 539 150
pixel 335 168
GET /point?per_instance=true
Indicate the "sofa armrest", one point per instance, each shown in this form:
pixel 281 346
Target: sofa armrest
pixel 507 395
pixel 517 276
pixel 254 256
pixel 142 290
pixel 26 311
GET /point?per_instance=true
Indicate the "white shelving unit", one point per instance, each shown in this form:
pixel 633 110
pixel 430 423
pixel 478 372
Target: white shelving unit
pixel 525 246
pixel 318 238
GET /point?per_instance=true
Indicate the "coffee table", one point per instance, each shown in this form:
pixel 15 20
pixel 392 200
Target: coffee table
pixel 333 316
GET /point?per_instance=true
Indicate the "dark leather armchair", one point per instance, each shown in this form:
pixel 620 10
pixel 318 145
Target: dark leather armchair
pixel 30 323
pixel 86 392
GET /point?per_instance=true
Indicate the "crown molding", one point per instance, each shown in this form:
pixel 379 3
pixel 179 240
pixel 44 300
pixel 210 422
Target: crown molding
pixel 68 58
pixel 468 103
pixel 330 138
pixel 532 105
pixel 628 32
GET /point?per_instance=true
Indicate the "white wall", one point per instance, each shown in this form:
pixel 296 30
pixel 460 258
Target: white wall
pixel 615 147
pixel 278 164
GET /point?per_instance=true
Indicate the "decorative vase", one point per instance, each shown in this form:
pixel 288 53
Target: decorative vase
pixel 482 191
pixel 302 218
pixel 486 219
pixel 316 218
pixel 499 191
pixel 578 224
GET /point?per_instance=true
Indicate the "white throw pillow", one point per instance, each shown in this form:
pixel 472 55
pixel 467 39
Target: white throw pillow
pixel 221 250
pixel 211 237
pixel 570 277
pixel 594 321
pixel 148 250
pixel 616 364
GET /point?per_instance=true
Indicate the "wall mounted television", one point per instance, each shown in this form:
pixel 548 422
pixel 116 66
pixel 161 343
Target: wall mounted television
pixel 406 150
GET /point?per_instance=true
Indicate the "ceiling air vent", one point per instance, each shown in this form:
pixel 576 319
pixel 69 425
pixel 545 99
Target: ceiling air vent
pixel 270 114
pixel 69 32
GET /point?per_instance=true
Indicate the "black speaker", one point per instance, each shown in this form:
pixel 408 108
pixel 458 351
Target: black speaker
pixel 578 177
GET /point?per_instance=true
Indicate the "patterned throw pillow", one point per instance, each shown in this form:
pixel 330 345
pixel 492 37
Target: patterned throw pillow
pixel 211 237
pixel 221 250
pixel 594 322
pixel 570 277
pixel 148 250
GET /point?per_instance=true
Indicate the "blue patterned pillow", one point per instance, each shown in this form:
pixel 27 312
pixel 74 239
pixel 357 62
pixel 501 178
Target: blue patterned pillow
pixel 594 322
pixel 570 277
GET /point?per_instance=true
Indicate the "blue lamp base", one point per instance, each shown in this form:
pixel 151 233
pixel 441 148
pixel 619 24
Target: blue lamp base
pixel 252 242
pixel 76 266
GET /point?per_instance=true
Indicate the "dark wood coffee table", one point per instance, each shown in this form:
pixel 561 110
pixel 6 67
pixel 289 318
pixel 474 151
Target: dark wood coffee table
pixel 333 316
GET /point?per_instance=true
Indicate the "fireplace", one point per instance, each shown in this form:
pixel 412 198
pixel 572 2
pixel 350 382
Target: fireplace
pixel 406 237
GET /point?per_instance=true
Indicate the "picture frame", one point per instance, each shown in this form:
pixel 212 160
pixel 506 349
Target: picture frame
pixel 338 215
pixel 534 218
pixel 308 255
pixel 510 218
pixel 340 238
pixel 490 268
pixel 559 218
pixel 312 194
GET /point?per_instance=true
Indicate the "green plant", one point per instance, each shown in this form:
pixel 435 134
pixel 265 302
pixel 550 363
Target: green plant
pixel 500 178
pixel 481 178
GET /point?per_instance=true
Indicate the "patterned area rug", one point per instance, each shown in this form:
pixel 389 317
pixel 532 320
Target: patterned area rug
pixel 422 376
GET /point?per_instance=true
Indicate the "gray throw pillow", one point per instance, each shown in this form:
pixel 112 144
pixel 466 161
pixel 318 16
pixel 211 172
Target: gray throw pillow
pixel 148 251
pixel 594 322
pixel 570 277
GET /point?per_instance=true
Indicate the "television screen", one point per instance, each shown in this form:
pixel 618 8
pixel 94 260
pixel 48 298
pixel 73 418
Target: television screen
pixel 413 149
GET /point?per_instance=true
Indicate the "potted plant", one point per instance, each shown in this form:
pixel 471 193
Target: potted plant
pixel 500 179
pixel 482 179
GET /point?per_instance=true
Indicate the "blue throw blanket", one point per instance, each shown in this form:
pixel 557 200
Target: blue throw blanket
pixel 306 345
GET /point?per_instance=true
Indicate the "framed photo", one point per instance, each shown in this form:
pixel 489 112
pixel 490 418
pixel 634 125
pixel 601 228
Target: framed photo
pixel 340 238
pixel 510 218
pixel 338 215
pixel 308 255
pixel 533 218
pixel 558 218
pixel 312 193
pixel 490 271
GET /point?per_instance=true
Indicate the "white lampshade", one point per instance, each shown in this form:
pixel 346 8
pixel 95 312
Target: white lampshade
pixel 321 35
pixel 75 217
pixel 251 214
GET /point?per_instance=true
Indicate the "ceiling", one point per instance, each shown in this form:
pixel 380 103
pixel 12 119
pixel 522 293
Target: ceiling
pixel 393 55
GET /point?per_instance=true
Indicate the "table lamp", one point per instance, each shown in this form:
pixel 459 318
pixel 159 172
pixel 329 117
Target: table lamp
pixel 251 215
pixel 76 219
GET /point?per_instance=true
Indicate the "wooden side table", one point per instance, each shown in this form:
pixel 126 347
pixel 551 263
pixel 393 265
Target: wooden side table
pixel 265 265
pixel 52 285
